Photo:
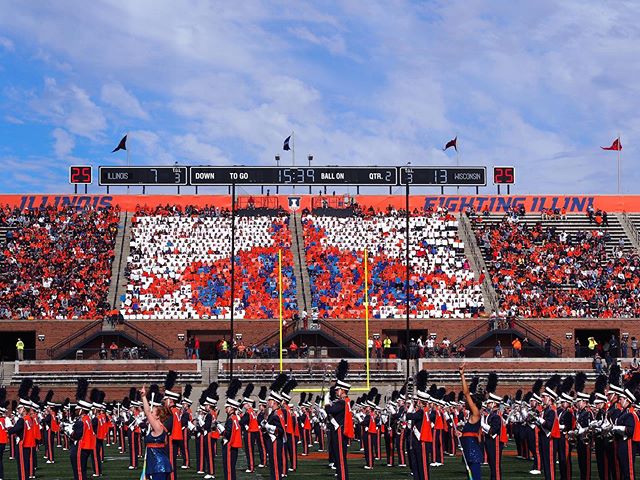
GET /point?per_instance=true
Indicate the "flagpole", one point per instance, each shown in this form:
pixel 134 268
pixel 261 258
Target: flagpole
pixel 128 163
pixel 619 150
pixel 293 147
pixel 293 151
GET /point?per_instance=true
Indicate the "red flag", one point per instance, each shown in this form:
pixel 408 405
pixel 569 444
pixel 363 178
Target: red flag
pixel 616 145
pixel 452 143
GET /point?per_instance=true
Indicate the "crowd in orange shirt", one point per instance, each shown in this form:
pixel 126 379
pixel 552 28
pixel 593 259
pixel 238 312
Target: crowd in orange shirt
pixel 546 272
pixel 56 263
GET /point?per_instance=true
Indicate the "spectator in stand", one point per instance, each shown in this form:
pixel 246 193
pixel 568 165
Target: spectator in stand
pixel 103 351
pixel 462 350
pixel 547 347
pixel 196 346
pixel 114 350
pixel 20 349
pixel 597 363
pixel 624 347
pixel 293 349
pixel 517 347
pixel 57 262
pixel 304 349
pixel 370 346
pixel 431 344
pixel 634 347
pixel 498 350
pixel 613 346
pixel 420 344
pixel 387 346
pixel 445 345
pixel 188 350
pixel 578 348
pixel 377 344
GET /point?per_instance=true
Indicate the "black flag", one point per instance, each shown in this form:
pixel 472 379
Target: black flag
pixel 122 145
pixel 452 143
pixel 286 143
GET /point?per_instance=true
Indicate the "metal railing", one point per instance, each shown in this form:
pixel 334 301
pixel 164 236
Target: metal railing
pixel 73 339
pixel 150 342
pixel 631 227
pixel 351 342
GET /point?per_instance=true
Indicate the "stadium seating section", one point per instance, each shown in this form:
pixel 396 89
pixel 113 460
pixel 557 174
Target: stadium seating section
pixel 442 283
pixel 179 266
pixel 557 266
pixel 56 264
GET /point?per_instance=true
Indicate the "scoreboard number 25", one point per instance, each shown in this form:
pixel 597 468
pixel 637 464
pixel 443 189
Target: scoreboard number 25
pixel 80 174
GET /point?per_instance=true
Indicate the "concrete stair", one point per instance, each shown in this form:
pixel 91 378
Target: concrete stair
pixel 631 224
pixel 118 282
pixel 476 260
pixel 303 290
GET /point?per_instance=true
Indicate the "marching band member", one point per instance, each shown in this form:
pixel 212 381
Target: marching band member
pixel 211 433
pixel 173 423
pixel 186 420
pixel 494 428
pixel 158 466
pixel 421 433
pixel 23 430
pixel 341 420
pixel 250 427
pixel 549 428
pixel 470 433
pixel 627 430
pixel 274 428
pixel 566 421
pixel 82 434
pixel 231 432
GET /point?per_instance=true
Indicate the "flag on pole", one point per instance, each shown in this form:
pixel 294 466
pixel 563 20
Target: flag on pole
pixel 286 143
pixel 122 145
pixel 616 145
pixel 452 143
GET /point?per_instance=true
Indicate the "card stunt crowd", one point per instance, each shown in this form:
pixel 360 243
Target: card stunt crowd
pixel 419 426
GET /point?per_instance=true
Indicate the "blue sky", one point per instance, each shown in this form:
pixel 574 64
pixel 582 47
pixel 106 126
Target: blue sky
pixel 536 84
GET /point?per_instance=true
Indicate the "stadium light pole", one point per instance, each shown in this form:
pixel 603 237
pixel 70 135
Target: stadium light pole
pixel 277 165
pixel 233 274
pixel 406 291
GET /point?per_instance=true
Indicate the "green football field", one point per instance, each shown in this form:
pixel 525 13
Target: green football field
pixel 115 468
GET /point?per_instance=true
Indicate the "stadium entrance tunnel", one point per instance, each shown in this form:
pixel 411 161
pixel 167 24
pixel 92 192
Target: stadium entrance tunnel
pixel 603 345
pixel 99 347
pixel 487 345
pixel 8 342
pixel 210 343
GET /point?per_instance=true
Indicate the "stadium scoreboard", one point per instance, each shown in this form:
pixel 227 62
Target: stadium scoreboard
pixel 150 176
pixel 294 175
pixel 80 174
pixel 321 175
pixel 504 175
pixel 444 176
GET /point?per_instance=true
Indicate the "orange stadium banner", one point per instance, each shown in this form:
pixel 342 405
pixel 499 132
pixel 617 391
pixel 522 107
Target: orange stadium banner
pixel 573 204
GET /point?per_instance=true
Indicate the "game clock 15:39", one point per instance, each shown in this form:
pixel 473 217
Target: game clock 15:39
pixel 80 174
pixel 504 175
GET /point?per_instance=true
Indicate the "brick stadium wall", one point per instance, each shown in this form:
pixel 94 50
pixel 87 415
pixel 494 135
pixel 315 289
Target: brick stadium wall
pixel 54 331
pixel 255 330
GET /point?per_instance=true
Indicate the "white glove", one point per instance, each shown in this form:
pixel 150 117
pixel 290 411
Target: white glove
pixel 620 428
pixel 191 426
pixel 271 429
pixel 220 428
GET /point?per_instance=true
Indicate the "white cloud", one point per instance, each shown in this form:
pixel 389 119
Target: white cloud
pixel 7 44
pixel 333 43
pixel 71 107
pixel 64 143
pixel 537 84
pixel 117 96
